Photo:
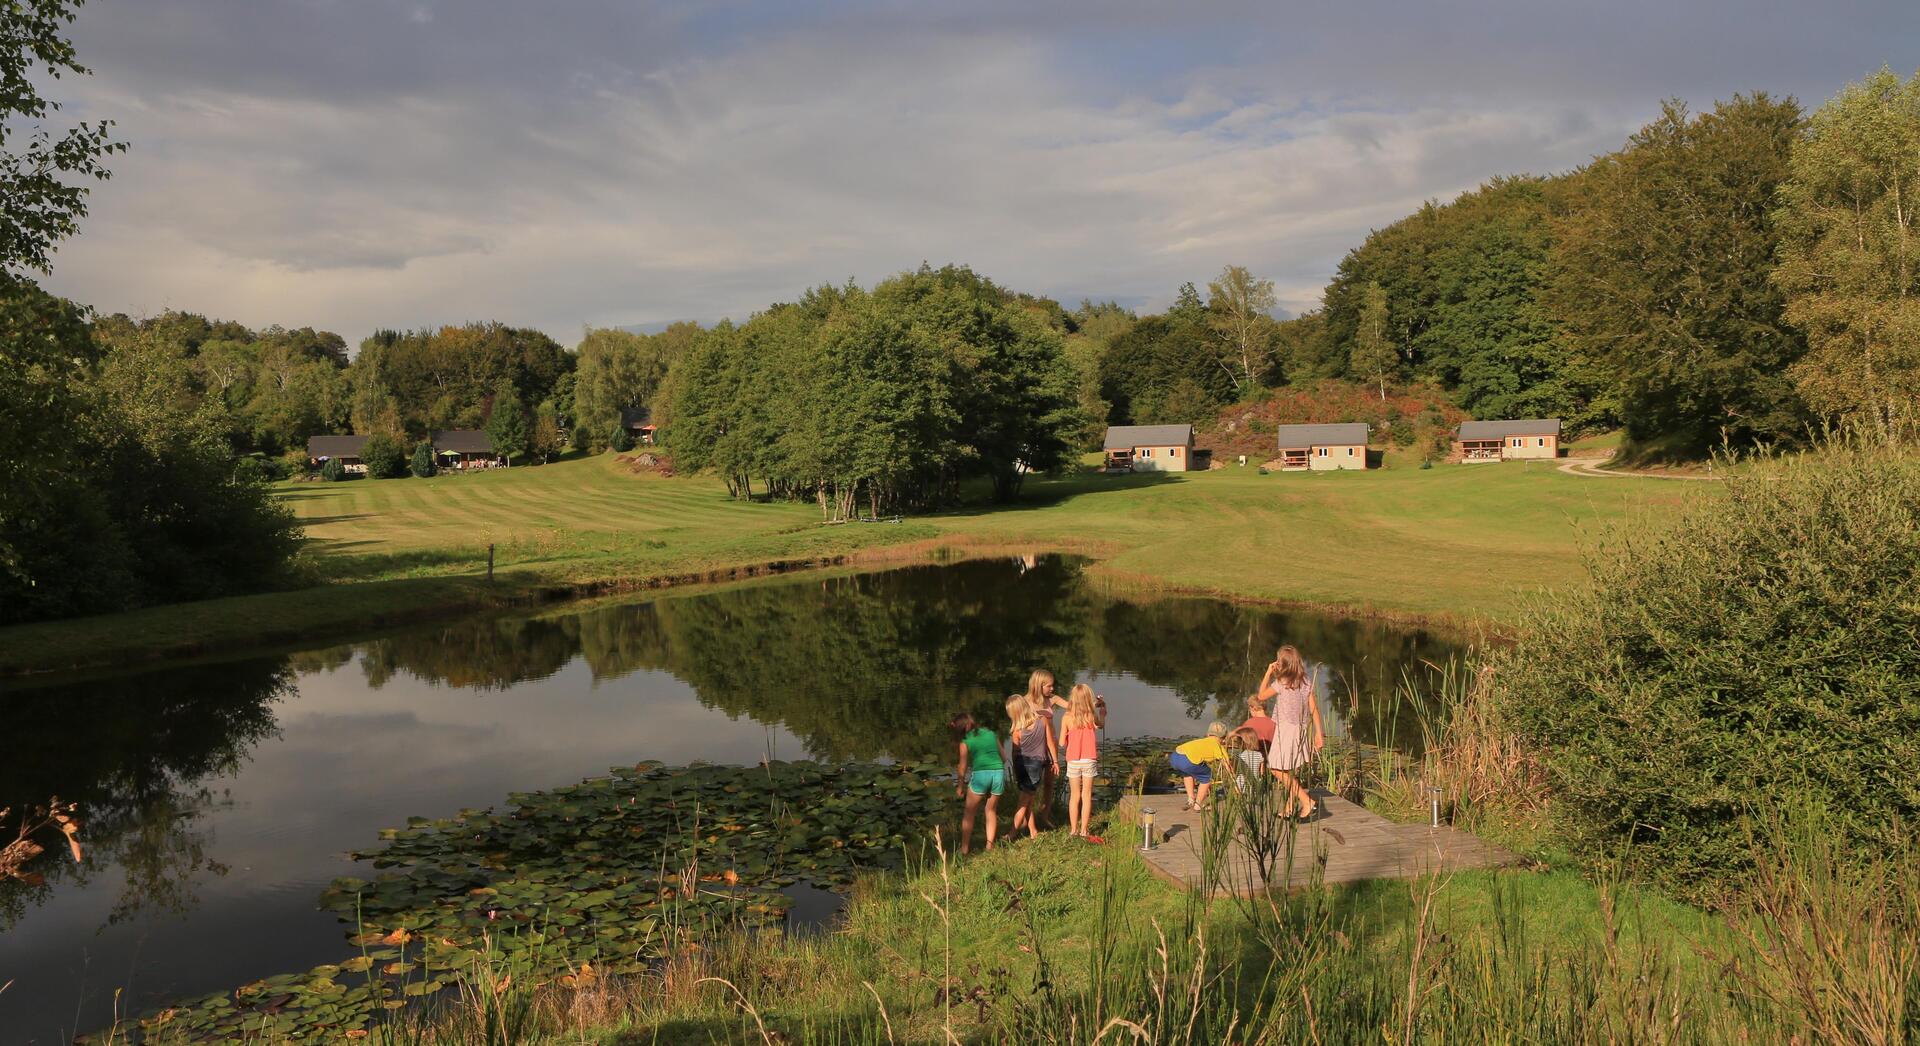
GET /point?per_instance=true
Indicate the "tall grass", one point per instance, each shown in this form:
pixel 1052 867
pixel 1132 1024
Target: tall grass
pixel 1821 951
pixel 1469 760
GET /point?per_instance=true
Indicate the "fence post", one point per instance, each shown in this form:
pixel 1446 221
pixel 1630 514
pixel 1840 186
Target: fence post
pixel 489 562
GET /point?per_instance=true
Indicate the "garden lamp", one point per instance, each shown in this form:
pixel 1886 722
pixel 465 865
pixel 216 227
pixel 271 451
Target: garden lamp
pixel 1146 829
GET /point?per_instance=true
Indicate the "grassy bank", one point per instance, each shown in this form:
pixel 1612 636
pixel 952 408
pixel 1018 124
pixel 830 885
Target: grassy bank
pixel 1447 545
pixel 1056 941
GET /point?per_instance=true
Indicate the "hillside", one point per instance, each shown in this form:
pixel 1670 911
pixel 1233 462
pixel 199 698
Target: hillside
pixel 1420 416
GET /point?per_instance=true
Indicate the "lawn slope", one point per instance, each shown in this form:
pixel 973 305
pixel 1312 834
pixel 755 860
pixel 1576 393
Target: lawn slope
pixel 1451 545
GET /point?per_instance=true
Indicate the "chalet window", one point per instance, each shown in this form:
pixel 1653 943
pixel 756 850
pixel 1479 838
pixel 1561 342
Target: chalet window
pixel 1146 452
pixel 1543 441
pixel 1349 452
pixel 1174 453
pixel 1322 450
pixel 1518 442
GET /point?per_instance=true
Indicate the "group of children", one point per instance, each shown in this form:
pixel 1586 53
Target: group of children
pixel 1037 759
pixel 1278 743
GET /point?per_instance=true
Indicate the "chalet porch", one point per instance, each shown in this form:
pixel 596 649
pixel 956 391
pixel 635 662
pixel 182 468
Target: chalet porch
pixel 1480 449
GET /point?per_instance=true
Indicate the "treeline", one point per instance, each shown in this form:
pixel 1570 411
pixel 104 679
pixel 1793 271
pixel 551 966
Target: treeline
pixel 1734 277
pixel 118 486
pixel 878 401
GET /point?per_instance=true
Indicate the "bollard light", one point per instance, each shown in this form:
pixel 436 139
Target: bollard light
pixel 1433 795
pixel 1146 829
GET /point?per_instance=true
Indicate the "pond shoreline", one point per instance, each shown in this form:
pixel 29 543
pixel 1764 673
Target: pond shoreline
pixel 306 617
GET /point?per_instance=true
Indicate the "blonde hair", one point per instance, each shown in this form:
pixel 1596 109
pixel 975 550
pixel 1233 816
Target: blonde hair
pixel 1216 729
pixel 1080 707
pixel 1036 686
pixel 1288 668
pixel 1020 710
pixel 1256 705
pixel 1244 737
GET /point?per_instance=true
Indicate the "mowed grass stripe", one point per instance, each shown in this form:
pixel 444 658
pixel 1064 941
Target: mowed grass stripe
pixel 1452 541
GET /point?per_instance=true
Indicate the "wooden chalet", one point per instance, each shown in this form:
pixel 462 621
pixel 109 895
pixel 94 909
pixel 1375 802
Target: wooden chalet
pixel 638 421
pixel 344 449
pixel 1478 441
pixel 464 449
pixel 1150 448
pixel 1323 448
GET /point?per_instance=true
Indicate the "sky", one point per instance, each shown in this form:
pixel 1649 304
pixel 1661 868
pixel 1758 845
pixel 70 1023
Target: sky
pixel 361 164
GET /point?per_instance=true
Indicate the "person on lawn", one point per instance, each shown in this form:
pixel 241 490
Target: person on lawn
pixel 1030 744
pixel 1086 715
pixel 1044 697
pixel 982 775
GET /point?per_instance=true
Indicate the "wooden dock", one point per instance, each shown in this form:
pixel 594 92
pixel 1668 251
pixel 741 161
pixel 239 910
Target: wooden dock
pixel 1353 842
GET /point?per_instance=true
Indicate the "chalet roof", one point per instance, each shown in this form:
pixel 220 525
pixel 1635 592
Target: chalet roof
pixel 335 446
pixel 1503 429
pixel 1127 437
pixel 1339 434
pixel 463 441
pixel 634 417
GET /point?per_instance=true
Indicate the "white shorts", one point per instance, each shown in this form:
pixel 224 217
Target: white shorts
pixel 1081 768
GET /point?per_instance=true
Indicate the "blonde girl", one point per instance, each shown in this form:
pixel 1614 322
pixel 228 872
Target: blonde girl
pixel 1298 734
pixel 1030 744
pixel 1086 714
pixel 1195 762
pixel 1044 698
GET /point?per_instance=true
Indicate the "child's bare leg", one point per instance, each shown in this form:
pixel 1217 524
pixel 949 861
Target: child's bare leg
pixel 1205 789
pixel 1186 781
pixel 993 819
pixel 966 820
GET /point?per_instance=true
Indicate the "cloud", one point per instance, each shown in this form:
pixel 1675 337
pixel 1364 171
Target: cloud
pixel 354 165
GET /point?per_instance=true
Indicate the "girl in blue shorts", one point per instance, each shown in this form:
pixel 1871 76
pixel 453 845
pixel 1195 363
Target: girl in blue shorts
pixel 982 775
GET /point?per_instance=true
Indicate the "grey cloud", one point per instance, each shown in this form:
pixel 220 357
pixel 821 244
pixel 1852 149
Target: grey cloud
pixel 356 164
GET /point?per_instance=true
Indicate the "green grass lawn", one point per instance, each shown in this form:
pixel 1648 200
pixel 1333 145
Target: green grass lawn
pixel 1450 545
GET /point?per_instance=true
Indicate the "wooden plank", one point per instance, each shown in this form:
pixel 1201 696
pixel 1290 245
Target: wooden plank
pixel 1356 843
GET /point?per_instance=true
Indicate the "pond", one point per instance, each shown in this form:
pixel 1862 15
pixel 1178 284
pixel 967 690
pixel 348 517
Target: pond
pixel 220 799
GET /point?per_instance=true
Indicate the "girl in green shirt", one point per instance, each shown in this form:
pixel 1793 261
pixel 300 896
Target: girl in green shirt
pixel 982 775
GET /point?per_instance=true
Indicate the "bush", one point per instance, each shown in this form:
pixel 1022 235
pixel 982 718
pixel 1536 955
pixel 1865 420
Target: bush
pixel 385 458
pixel 622 439
pixel 422 464
pixel 333 471
pixel 294 462
pixel 1755 651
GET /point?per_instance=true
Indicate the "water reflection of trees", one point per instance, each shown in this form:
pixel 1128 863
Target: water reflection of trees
pixel 141 756
pixel 866 664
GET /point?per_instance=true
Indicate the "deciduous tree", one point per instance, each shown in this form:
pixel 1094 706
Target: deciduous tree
pixel 43 169
pixel 1239 311
pixel 1660 277
pixel 1375 357
pixel 507 425
pixel 1850 251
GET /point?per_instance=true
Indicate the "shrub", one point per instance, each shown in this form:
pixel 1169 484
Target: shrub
pixel 1758 649
pixel 294 462
pixel 255 468
pixel 422 464
pixel 622 441
pixel 333 471
pixel 384 458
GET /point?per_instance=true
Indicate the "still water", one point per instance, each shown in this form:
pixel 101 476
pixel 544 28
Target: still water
pixel 219 799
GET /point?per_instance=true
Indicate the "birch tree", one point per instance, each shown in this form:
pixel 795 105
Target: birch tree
pixel 1375 357
pixel 1239 311
pixel 1849 254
